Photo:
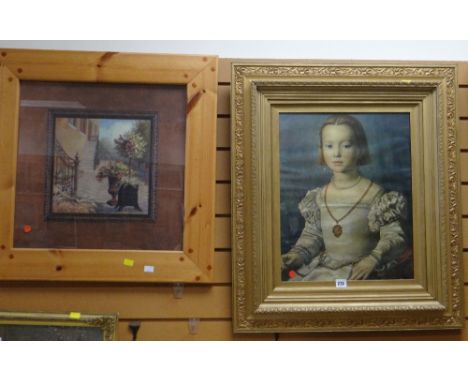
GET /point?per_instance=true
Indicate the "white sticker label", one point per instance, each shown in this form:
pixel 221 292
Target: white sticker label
pixel 341 283
pixel 148 269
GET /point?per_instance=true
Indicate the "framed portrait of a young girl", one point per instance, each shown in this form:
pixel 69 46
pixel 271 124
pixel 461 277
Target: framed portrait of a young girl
pixel 345 198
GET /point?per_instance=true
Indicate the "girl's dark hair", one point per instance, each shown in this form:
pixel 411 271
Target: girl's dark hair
pixel 359 135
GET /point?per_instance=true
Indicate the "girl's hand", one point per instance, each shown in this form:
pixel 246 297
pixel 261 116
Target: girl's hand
pixel 291 260
pixel 363 268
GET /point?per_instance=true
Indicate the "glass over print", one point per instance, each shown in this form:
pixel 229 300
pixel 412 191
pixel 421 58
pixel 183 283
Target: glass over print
pixel 345 195
pixel 100 166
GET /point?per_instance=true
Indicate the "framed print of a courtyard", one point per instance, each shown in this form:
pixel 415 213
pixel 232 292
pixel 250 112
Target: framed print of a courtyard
pixel 101 165
pixel 70 123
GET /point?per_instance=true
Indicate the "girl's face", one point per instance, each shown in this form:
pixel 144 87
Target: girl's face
pixel 338 148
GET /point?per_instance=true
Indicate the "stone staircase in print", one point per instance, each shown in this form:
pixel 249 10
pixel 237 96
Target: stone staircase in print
pixel 88 187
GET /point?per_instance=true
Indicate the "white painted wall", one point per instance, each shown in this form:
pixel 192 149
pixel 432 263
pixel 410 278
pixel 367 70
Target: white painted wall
pixel 378 50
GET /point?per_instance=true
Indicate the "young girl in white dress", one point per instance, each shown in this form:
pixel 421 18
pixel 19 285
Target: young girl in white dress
pixel 351 224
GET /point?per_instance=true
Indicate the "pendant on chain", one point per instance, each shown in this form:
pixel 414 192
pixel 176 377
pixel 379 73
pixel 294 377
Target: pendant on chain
pixel 337 230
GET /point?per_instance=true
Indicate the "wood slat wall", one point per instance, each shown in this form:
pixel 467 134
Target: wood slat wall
pixel 463 144
pixel 164 317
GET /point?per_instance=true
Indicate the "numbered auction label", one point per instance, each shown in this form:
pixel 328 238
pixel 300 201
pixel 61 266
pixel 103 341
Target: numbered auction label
pixel 341 283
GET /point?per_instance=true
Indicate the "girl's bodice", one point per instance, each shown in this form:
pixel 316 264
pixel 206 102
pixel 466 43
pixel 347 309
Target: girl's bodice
pixel 356 239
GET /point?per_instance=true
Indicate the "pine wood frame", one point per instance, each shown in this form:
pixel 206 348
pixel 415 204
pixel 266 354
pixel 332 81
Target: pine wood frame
pixel 261 301
pixel 199 75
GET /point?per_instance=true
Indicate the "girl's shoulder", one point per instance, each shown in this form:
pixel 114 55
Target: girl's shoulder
pixel 387 207
pixel 382 198
pixel 375 192
pixel 308 205
pixel 310 198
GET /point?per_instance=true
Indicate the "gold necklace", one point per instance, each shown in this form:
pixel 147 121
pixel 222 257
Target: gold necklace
pixel 337 228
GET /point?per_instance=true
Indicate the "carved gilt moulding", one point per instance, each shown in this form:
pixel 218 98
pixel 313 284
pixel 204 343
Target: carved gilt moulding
pixel 432 297
pixel 21 326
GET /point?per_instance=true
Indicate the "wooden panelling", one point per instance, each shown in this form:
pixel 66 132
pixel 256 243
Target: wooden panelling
pixel 465 267
pixel 466 299
pixel 464 166
pixel 463 102
pixel 224 103
pixel 222 267
pixel 464 199
pixel 223 199
pixel 465 232
pixel 221 330
pixel 212 330
pixel 463 134
pixel 224 132
pixel 462 73
pixel 224 70
pixel 223 232
pixel 223 165
pixel 129 301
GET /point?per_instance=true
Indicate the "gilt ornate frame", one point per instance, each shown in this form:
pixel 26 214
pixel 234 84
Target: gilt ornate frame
pixel 433 298
pixel 57 326
pixel 198 77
